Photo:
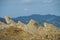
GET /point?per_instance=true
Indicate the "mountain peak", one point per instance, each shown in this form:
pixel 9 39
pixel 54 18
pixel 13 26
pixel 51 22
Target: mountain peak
pixel 9 20
pixel 32 21
pixel 20 23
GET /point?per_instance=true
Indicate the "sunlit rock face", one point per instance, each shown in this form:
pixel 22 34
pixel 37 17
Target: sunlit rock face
pixel 9 21
pixel 30 31
pixel 33 26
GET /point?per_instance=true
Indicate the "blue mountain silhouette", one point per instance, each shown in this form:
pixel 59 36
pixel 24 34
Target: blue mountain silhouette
pixel 2 20
pixel 52 19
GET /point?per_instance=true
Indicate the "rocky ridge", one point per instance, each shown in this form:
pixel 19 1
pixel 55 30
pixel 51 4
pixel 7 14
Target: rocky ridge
pixel 31 31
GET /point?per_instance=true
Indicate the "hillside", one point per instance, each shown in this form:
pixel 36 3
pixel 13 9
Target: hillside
pixel 12 30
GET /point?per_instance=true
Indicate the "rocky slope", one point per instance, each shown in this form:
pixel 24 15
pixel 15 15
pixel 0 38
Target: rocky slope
pixel 31 31
pixel 52 19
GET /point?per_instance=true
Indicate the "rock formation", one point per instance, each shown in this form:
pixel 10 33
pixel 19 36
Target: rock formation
pixel 30 31
pixel 10 21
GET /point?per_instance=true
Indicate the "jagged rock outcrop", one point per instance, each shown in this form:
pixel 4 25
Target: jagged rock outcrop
pixel 33 26
pixel 22 26
pixel 10 21
pixel 30 31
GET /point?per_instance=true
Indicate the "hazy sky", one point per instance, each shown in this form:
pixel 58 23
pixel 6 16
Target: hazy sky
pixel 15 8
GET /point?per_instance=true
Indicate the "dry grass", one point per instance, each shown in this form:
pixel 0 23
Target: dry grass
pixel 14 33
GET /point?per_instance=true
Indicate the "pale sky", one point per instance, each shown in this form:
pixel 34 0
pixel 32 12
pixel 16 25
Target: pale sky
pixel 15 8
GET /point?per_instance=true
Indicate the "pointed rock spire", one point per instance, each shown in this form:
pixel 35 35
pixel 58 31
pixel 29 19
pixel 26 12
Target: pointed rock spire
pixel 33 23
pixel 33 27
pixel 9 20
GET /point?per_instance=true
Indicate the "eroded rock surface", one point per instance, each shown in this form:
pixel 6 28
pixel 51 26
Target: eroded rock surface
pixel 30 31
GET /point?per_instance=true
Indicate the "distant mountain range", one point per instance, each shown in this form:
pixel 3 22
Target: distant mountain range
pixel 30 31
pixel 52 19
